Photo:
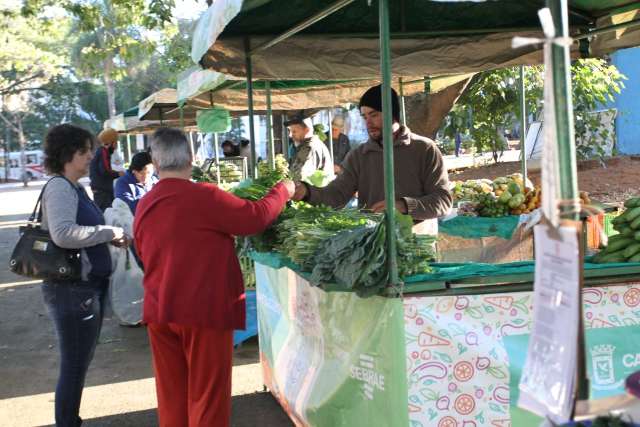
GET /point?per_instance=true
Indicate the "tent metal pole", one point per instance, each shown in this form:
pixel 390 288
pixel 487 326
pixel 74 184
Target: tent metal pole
pixel 302 25
pixel 193 151
pixel 523 125
pixel 272 150
pixel 331 135
pixel 433 33
pixel 181 118
pixel 161 116
pixel 560 62
pixel 387 138
pixel 403 117
pixel 610 28
pixel 129 147
pixel 285 138
pixel 252 131
pixel 217 156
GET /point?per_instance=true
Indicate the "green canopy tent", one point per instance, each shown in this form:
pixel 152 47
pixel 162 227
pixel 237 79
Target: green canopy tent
pixel 339 40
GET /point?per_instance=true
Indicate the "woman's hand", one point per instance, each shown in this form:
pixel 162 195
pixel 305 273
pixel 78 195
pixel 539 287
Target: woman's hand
pixel 290 186
pixel 120 239
pixel 123 242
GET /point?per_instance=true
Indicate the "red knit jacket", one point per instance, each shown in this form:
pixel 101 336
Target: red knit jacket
pixel 184 236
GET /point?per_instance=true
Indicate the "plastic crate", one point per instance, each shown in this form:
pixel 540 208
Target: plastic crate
pixel 238 163
pixel 248 272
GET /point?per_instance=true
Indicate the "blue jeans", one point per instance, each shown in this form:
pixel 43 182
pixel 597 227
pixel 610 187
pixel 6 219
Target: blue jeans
pixel 77 310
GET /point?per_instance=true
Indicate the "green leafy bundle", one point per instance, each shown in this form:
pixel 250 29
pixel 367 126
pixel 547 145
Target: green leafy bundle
pixel 258 188
pixel 303 228
pixel 357 260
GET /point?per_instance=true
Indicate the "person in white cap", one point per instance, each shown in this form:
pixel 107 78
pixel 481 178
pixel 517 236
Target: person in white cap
pixel 341 145
pixel 310 153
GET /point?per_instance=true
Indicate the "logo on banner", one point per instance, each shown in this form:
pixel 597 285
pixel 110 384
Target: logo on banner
pixel 365 372
pixel 602 363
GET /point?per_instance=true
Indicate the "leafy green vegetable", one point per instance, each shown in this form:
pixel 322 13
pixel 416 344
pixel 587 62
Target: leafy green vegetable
pixel 357 260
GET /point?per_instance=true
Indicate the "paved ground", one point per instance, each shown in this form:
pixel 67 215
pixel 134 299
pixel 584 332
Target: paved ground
pixel 120 387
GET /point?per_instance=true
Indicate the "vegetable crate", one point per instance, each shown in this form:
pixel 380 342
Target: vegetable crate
pixel 232 169
pixel 248 271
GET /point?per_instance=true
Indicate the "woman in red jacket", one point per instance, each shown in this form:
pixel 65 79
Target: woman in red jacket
pixel 193 291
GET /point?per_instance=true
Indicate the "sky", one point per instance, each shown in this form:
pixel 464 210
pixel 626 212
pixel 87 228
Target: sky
pixel 189 9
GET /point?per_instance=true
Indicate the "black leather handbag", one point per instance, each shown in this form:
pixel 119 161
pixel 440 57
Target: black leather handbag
pixel 37 257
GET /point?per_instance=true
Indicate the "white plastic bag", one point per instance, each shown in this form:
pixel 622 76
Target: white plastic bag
pixel 125 290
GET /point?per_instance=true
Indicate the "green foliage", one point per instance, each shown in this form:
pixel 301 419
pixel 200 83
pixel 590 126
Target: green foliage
pixel 30 51
pixel 491 104
pixel 595 84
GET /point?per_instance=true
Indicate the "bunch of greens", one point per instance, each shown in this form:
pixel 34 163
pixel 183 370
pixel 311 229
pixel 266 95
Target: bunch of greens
pixel 302 228
pixel 257 188
pixel 356 259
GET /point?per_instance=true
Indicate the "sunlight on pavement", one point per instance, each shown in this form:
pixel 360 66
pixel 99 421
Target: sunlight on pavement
pixel 109 399
pixel 97 401
pixel 15 284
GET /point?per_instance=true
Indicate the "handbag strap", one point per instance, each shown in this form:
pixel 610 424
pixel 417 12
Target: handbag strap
pixel 38 207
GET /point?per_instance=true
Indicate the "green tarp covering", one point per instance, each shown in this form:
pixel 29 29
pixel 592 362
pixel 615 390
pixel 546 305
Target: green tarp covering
pixel 476 227
pixel 442 272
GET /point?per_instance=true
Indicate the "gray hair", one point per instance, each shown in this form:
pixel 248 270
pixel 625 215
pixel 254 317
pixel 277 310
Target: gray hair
pixel 170 150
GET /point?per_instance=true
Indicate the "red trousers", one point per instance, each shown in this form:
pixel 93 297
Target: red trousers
pixel 193 375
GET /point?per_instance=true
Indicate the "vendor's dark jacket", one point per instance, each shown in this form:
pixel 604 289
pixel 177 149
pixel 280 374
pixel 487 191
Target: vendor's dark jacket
pixel 100 172
pixel 421 178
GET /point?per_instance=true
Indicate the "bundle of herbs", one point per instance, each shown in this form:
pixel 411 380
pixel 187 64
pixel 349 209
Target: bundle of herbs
pixel 302 228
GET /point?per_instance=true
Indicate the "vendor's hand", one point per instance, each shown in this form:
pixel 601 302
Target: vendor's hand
pixel 300 193
pixel 290 186
pixel 337 169
pixel 381 206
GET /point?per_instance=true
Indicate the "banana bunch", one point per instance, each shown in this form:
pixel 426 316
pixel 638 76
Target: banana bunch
pixel 625 246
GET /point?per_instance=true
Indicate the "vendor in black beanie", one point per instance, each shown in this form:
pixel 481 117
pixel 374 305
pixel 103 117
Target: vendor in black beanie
pixel 372 98
pixel 421 179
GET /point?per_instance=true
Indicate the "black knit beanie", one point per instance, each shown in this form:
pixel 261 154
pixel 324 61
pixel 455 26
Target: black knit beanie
pixel 372 98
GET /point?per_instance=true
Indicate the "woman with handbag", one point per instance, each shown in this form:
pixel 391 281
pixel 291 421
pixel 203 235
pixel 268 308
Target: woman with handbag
pixel 75 222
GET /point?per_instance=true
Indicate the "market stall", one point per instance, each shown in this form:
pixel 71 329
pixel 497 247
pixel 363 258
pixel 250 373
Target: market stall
pixel 445 347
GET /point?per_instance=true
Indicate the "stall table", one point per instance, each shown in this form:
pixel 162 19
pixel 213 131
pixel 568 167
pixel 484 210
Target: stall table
pixel 447 352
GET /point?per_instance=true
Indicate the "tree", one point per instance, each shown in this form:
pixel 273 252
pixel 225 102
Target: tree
pixel 31 54
pixel 492 102
pixel 113 33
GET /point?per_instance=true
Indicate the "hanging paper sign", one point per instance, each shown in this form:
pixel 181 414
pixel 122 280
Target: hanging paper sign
pixel 140 142
pixel 548 378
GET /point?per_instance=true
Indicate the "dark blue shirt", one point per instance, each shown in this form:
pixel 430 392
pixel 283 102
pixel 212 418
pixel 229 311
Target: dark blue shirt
pixel 130 190
pixel 90 214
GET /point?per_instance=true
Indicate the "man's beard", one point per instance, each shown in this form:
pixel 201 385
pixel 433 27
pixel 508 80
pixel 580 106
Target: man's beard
pixel 376 138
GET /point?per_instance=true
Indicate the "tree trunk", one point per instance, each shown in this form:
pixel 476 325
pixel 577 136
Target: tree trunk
pixel 110 86
pixel 23 157
pixel 425 112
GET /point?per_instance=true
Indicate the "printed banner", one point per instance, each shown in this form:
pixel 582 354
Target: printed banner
pixel 465 353
pixel 331 358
